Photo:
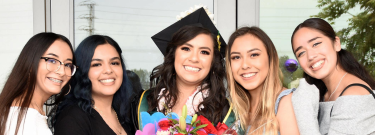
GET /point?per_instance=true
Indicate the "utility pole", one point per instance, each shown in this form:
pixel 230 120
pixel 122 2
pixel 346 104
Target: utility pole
pixel 89 17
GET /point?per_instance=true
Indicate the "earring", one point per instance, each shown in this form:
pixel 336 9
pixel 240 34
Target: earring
pixel 69 90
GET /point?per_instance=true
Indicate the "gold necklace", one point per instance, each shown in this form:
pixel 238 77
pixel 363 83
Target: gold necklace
pixel 100 112
pixel 118 123
pixel 40 110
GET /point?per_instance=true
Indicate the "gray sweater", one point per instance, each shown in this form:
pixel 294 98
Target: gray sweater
pixel 352 114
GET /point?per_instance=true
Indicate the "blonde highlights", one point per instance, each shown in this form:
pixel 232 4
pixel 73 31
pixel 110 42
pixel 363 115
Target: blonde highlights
pixel 264 117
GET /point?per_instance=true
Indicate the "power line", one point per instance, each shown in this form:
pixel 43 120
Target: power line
pixel 90 17
pixel 137 8
pixel 133 14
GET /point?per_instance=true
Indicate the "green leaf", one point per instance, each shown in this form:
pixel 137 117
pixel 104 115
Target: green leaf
pixel 173 121
pixel 197 128
pixel 181 130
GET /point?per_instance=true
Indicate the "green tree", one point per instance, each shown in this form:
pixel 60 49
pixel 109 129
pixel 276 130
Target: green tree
pixel 287 75
pixel 359 36
pixel 144 77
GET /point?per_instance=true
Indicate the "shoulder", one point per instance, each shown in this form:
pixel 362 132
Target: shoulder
pixel 356 90
pixel 284 101
pixel 72 113
pixel 72 120
pixel 285 114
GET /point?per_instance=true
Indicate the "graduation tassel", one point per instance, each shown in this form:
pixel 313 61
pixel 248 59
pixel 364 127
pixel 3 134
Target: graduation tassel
pixel 218 40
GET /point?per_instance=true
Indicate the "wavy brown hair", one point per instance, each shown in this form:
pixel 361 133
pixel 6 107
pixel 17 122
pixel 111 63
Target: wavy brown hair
pixel 20 85
pixel 163 77
pixel 265 111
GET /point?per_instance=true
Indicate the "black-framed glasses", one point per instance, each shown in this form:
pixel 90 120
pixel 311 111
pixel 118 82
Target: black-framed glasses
pixel 53 65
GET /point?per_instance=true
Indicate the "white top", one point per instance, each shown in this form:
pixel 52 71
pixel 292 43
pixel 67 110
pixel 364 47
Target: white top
pixel 32 124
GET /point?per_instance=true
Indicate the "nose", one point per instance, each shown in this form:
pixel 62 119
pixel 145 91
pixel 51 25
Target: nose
pixel 311 54
pixel 194 57
pixel 61 70
pixel 107 69
pixel 245 64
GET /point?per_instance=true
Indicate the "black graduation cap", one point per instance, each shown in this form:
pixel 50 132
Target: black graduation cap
pixel 199 16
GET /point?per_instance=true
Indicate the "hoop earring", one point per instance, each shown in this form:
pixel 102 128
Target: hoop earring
pixel 68 91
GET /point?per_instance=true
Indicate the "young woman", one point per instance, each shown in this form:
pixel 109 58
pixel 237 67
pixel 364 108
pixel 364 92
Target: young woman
pixel 346 96
pixel 255 86
pixel 192 74
pixel 43 69
pixel 97 103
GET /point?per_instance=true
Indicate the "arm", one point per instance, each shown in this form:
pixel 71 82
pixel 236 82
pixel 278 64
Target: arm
pixel 305 101
pixel 286 118
pixel 353 113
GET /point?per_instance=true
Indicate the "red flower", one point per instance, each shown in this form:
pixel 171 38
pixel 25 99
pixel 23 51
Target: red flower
pixel 221 127
pixel 210 129
pixel 201 133
pixel 165 124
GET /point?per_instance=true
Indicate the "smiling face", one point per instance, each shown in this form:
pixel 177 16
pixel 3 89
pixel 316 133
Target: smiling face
pixel 105 71
pixel 249 61
pixel 316 53
pixel 193 59
pixel 51 82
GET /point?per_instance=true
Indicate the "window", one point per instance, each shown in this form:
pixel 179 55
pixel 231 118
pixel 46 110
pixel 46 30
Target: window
pixel 16 28
pixel 131 24
pixel 279 19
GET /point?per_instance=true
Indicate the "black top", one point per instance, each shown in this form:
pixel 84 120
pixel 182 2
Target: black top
pixel 74 121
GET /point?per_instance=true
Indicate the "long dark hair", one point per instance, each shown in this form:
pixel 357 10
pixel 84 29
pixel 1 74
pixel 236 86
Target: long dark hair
pixel 344 58
pixel 163 77
pixel 136 82
pixel 81 84
pixel 20 84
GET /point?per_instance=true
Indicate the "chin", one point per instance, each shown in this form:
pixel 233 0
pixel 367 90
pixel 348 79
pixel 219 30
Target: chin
pixel 250 86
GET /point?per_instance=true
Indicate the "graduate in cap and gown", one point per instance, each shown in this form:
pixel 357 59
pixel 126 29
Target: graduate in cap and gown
pixel 192 73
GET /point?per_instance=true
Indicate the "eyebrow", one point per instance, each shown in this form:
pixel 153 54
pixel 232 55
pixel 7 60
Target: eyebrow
pixel 53 54
pixel 58 56
pixel 199 47
pixel 114 58
pixel 300 47
pixel 254 49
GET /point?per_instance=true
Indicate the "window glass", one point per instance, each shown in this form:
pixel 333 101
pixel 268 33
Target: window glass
pixel 131 24
pixel 16 28
pixel 279 19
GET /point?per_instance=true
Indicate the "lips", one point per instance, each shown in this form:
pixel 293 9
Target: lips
pixel 193 69
pixel 54 80
pixel 248 75
pixel 107 80
pixel 317 64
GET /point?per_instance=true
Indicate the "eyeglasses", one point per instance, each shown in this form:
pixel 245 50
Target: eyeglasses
pixel 53 65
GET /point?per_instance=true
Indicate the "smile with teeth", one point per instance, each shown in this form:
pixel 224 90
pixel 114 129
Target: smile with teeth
pixel 317 64
pixel 55 80
pixel 107 80
pixel 248 75
pixel 188 68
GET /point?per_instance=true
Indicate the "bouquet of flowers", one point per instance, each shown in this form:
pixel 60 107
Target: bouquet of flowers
pixel 171 124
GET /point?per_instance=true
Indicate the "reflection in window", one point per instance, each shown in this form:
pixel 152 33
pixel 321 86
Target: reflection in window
pixel 279 19
pixel 131 24
pixel 16 28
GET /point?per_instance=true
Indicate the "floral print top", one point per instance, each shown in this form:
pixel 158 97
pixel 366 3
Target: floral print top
pixel 192 102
